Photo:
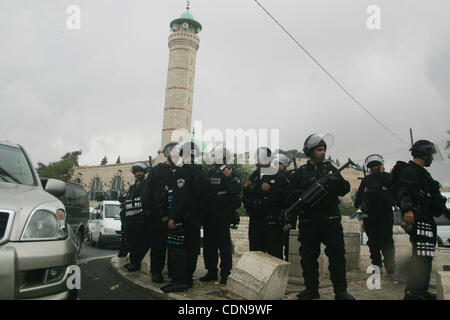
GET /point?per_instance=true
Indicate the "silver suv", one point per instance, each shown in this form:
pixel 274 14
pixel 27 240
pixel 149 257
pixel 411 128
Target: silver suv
pixel 36 246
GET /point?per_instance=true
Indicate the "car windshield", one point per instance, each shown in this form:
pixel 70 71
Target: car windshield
pixel 112 211
pixel 14 167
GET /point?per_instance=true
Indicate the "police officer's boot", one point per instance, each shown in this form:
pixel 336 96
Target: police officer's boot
pixel 343 295
pixel 132 267
pixel 175 287
pixel 308 294
pixel 223 279
pixel 428 295
pixel 157 278
pixel 210 276
pixel 410 295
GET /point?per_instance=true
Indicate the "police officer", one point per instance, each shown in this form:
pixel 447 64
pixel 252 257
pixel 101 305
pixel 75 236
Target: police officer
pixel 322 222
pixel 264 198
pixel 136 221
pixel 420 200
pixel 283 164
pixel 156 202
pixel 223 198
pixel 375 199
pixel 186 210
pixel 124 241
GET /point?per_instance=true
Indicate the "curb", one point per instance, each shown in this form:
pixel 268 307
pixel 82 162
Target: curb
pixel 152 291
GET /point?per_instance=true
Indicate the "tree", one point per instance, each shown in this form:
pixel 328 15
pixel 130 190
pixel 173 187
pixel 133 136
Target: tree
pixel 118 160
pixel 62 169
pixel 104 161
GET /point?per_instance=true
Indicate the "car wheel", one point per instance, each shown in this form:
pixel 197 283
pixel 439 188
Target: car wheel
pixel 91 241
pixel 100 243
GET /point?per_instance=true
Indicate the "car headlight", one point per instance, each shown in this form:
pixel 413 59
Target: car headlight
pixel 45 224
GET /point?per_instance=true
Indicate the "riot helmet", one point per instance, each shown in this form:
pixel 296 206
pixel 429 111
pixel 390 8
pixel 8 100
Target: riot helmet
pixel 426 151
pixel 263 156
pixel 316 140
pixel 139 166
pixel 190 148
pixel 168 149
pixel 423 148
pixel 282 159
pixel 373 160
pixel 219 155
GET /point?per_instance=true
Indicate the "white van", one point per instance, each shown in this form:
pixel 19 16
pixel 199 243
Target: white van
pixel 443 226
pixel 105 225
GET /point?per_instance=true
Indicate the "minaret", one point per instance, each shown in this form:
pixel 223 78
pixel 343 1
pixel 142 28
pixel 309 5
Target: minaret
pixel 183 46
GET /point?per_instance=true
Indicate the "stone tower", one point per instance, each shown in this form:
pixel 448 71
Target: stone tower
pixel 183 46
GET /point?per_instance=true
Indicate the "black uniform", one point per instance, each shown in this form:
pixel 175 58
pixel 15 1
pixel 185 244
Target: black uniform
pixel 417 191
pixel 124 239
pixel 223 198
pixel 376 199
pixel 137 224
pixel 288 174
pixel 322 224
pixel 155 201
pixel 186 208
pixel 264 208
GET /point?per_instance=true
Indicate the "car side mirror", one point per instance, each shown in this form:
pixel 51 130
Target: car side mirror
pixel 55 187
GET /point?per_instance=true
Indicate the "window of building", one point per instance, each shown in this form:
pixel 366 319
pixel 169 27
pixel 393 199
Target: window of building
pixel 96 189
pixel 117 184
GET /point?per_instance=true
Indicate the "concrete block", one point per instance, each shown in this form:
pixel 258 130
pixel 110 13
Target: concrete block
pixel 145 263
pixel 352 254
pixel 443 285
pixel 259 276
pixel 441 259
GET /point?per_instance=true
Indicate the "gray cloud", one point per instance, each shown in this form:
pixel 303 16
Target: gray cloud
pixel 101 89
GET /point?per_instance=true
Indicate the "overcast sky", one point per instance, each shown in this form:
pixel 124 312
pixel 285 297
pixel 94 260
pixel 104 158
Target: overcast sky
pixel 101 88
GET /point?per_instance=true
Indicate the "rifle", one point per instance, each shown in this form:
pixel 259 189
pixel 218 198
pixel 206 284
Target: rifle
pixel 312 196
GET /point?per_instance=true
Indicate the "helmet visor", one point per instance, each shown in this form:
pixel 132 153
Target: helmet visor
pixel 374 158
pixel 316 139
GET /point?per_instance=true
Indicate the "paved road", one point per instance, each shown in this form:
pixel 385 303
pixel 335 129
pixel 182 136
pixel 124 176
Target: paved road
pixel 98 281
pixel 88 252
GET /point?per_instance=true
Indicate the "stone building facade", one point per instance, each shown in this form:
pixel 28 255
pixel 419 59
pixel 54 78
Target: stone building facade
pixel 104 179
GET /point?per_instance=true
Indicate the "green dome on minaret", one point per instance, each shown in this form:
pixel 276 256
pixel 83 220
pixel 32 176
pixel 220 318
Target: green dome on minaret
pixel 194 26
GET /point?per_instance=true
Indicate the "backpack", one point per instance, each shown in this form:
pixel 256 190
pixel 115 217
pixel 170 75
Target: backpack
pixel 395 172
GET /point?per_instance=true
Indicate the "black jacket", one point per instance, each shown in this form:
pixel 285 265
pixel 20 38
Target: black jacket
pixel 132 200
pixel 156 188
pixel 417 191
pixel 262 205
pixel 224 193
pixel 336 186
pixel 187 194
pixel 375 195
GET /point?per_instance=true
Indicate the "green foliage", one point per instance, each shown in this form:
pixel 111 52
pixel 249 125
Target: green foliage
pixel 62 169
pixel 104 161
